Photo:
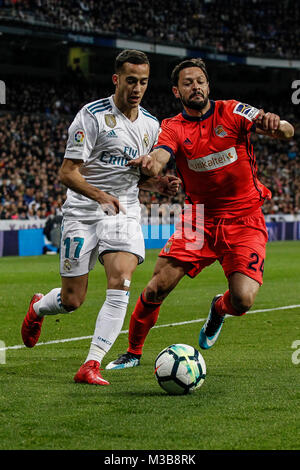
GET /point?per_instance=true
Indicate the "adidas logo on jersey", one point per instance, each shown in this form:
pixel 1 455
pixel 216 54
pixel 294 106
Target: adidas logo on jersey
pixel 187 142
pixel 111 134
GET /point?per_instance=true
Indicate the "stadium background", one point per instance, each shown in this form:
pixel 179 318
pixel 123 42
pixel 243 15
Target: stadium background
pixel 55 56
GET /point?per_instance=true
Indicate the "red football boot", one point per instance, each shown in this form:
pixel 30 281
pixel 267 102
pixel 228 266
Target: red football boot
pixel 32 324
pixel 89 373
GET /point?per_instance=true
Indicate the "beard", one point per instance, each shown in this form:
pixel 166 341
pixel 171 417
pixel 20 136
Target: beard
pixel 198 106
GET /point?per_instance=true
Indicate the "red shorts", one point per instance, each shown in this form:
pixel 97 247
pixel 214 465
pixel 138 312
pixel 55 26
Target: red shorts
pixel 238 244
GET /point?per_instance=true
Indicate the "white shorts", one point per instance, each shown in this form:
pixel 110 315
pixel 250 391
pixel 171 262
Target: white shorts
pixel 82 242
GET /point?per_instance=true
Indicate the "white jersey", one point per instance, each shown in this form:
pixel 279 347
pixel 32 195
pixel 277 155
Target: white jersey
pixel 105 139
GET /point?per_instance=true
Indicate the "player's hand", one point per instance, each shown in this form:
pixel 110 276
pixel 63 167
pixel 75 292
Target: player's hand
pixel 145 162
pixel 168 185
pixel 268 122
pixel 110 204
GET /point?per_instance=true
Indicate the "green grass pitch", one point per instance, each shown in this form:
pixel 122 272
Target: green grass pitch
pixel 249 400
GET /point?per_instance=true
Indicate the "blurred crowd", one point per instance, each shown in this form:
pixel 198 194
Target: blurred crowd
pixel 31 151
pixel 279 170
pixel 252 27
pixel 33 136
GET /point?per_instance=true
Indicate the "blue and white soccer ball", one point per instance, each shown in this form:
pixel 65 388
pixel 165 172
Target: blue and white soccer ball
pixel 180 369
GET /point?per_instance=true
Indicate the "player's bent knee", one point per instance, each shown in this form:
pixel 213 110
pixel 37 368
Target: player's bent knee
pixel 155 292
pixel 242 303
pixel 71 303
pixel 69 308
pixel 119 283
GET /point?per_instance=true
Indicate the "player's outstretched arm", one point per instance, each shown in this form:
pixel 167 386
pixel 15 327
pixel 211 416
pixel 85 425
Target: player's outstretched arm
pixel 152 164
pixel 71 177
pixel 271 125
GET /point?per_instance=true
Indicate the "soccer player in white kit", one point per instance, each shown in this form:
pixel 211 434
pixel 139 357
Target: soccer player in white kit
pixel 101 215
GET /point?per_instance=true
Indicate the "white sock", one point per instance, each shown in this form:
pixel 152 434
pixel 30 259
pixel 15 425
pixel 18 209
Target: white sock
pixel 109 323
pixel 50 304
pixel 95 353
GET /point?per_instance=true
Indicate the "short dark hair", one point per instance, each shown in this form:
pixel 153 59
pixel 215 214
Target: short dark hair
pixel 185 64
pixel 132 56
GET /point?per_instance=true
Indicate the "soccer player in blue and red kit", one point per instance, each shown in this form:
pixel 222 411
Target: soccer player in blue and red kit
pixel 210 142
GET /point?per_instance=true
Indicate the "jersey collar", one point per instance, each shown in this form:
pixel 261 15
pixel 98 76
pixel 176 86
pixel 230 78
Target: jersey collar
pixel 118 111
pixel 211 110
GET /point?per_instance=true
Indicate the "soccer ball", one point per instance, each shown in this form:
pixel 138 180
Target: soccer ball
pixel 180 369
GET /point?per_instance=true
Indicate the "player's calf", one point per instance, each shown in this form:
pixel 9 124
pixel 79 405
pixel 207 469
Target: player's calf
pixel 242 293
pixel 158 288
pixel 73 292
pixel 167 273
